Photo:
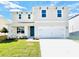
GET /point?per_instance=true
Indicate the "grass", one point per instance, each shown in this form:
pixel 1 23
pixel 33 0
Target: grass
pixel 19 48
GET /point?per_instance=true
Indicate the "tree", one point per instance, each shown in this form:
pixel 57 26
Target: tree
pixel 4 30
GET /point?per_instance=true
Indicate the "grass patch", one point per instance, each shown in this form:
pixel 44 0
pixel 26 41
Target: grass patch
pixel 19 48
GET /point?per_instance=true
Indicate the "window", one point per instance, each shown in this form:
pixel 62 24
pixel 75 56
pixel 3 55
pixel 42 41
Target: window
pixel 19 16
pixel 43 13
pixel 29 16
pixel 20 29
pixel 59 13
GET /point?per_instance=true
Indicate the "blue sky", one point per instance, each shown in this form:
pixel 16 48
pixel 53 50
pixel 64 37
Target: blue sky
pixel 7 6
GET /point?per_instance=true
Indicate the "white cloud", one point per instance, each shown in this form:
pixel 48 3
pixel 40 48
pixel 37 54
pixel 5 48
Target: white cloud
pixel 11 5
pixel 74 6
pixel 73 9
pixel 1 16
pixel 12 10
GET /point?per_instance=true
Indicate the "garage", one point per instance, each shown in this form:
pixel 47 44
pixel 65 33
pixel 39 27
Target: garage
pixel 51 32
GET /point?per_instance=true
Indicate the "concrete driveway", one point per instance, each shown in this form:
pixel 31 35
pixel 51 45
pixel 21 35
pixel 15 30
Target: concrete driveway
pixel 59 48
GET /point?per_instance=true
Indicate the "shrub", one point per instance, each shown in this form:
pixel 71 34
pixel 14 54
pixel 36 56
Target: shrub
pixel 11 38
pixel 36 38
pixel 2 38
pixel 25 37
pixel 4 30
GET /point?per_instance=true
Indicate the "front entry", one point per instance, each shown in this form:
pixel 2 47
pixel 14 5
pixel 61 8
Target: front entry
pixel 31 31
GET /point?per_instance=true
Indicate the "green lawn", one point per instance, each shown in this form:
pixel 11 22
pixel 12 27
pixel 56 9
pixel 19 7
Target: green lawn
pixel 19 48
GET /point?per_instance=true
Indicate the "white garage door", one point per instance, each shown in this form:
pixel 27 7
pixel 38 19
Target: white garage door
pixel 50 32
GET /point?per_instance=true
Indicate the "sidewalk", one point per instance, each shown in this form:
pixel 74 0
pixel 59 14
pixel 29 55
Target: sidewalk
pixel 59 48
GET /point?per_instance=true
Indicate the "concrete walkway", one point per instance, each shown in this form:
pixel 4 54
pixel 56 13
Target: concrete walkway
pixel 59 48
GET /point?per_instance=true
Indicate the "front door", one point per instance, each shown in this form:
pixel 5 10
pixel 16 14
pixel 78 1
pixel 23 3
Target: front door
pixel 31 30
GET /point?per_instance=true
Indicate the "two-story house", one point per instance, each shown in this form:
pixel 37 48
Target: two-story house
pixel 42 22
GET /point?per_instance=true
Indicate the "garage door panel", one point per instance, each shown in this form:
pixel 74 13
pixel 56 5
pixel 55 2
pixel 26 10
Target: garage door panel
pixel 58 32
pixel 50 32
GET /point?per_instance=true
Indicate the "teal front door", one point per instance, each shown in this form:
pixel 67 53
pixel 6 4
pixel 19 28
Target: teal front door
pixel 31 30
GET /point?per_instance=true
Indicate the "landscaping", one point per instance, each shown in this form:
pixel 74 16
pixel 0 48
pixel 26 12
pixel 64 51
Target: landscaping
pixel 19 48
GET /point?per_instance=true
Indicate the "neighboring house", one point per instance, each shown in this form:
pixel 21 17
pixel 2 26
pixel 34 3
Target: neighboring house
pixel 74 24
pixel 42 22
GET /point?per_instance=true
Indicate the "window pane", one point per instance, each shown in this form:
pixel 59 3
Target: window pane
pixel 59 15
pixel 43 11
pixel 59 11
pixel 29 16
pixel 43 15
pixel 19 16
pixel 20 29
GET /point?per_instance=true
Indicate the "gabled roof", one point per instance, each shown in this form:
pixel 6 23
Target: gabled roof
pixel 74 16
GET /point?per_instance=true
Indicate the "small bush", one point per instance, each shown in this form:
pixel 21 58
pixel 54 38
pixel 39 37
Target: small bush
pixel 36 38
pixel 23 37
pixel 4 30
pixel 11 38
pixel 2 38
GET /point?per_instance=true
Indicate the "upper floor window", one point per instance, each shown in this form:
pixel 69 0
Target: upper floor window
pixel 29 16
pixel 20 29
pixel 43 13
pixel 19 16
pixel 59 13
